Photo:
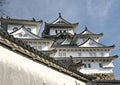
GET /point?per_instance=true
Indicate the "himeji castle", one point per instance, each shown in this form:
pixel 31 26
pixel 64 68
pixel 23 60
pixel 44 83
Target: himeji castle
pixel 60 56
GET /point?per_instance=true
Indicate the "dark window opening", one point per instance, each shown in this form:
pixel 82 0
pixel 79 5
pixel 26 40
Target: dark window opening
pixel 85 66
pixel 64 30
pixel 100 65
pixel 89 65
pixel 56 31
pixel 60 31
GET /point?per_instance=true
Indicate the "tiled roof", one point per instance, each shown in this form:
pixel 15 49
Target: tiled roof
pixel 39 56
pixel 12 19
pixel 107 82
pixel 6 21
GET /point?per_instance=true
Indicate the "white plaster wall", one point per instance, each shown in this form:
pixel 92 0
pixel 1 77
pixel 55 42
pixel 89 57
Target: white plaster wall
pixel 95 68
pixel 83 54
pixel 70 31
pixel 79 41
pixel 15 69
pixel 82 40
pixel 33 28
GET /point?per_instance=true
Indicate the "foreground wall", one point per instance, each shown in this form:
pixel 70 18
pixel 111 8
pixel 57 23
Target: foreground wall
pixel 16 69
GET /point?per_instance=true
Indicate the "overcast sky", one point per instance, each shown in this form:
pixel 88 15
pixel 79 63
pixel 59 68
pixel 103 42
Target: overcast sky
pixel 100 16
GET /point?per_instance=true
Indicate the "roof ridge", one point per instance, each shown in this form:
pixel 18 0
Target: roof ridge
pixel 9 18
pixel 60 17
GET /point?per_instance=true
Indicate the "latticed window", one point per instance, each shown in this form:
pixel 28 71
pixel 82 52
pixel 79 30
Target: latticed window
pixel 89 65
pixel 85 66
pixel 100 65
pixel 60 54
pixel 64 54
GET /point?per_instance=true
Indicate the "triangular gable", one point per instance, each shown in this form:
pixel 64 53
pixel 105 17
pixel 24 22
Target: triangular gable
pixel 24 33
pixel 86 31
pixel 91 43
pixel 66 42
pixel 60 20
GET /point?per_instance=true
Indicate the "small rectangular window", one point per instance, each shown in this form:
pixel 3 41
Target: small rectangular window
pixel 60 54
pixel 85 66
pixel 56 31
pixel 60 31
pixel 64 30
pixel 89 65
pixel 64 54
pixel 100 65
pixel 102 54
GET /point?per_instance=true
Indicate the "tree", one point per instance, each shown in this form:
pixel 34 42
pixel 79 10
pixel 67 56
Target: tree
pixel 2 11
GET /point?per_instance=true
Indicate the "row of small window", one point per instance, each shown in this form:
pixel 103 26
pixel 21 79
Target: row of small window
pixel 80 54
pixel 62 54
pixel 91 54
pixel 59 31
pixel 16 28
pixel 37 47
pixel 35 42
pixel 89 65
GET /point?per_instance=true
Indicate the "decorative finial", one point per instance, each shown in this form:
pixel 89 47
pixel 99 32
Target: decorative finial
pixel 59 14
pixel 33 19
pixel 85 27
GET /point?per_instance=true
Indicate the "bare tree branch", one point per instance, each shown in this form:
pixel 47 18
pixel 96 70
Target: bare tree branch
pixel 2 11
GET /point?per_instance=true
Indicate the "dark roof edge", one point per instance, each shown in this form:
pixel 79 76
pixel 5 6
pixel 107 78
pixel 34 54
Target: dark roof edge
pixel 33 20
pixel 107 81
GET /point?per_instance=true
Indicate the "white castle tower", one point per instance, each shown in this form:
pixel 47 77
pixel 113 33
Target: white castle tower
pixel 81 52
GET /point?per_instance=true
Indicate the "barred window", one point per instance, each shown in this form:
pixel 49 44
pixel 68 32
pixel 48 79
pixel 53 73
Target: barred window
pixel 100 65
pixel 64 54
pixel 89 65
pixel 60 54
pixel 85 66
